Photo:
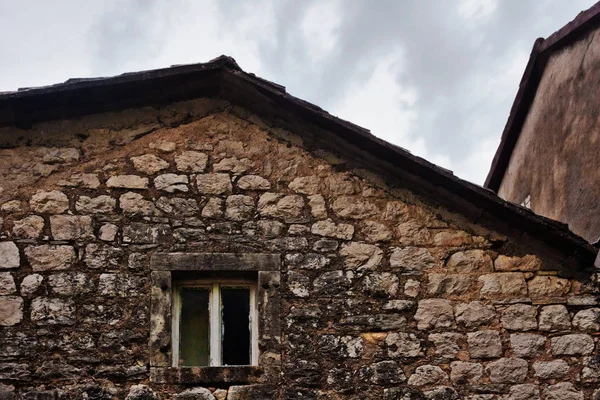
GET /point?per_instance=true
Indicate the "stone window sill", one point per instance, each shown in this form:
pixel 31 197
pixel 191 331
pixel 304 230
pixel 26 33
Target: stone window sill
pixel 206 375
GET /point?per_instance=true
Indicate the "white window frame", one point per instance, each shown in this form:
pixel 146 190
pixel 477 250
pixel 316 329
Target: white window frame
pixel 215 323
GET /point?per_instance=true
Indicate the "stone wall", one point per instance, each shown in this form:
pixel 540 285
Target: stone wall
pixel 383 296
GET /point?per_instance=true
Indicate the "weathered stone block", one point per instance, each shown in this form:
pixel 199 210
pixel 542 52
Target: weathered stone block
pixel 448 284
pixel 376 232
pixel 88 181
pixel 306 185
pixel 191 161
pixel 289 208
pixel 519 317
pixel 141 392
pixel 572 345
pixel 253 182
pixel 466 373
pixel 31 284
pixel 7 284
pixel 434 313
pixel 127 182
pixel 233 164
pixel 503 285
pixel 474 314
pixel 239 207
pixel 11 310
pixel 137 232
pixel 555 369
pixel 447 344
pixel 354 207
pixel 524 391
pixel 178 206
pixel 213 208
pixel 412 259
pixel 554 318
pixel 401 344
pixel 53 202
pixel 328 228
pixel 507 370
pixel 382 284
pixel 484 344
pixel 69 284
pixel 386 373
pixel 452 238
pixel 171 183
pixel 29 227
pixel 562 391
pixel 528 263
pixel 50 257
pixel 361 256
pixel 149 164
pixel 108 232
pixel 412 288
pixel 317 205
pixel 587 320
pixel 195 394
pixel 470 261
pixel 49 311
pixel 100 256
pixel 71 227
pixel 213 183
pixel 121 285
pixel 527 344
pixel 546 287
pixel 428 375
pixel 95 205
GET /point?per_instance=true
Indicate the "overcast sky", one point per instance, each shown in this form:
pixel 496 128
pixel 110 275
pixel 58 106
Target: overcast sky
pixel 436 77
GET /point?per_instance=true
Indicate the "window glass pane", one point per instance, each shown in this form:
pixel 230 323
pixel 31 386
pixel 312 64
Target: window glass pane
pixel 194 327
pixel 236 326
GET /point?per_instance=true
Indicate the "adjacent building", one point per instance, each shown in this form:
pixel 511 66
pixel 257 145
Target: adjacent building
pixel 549 156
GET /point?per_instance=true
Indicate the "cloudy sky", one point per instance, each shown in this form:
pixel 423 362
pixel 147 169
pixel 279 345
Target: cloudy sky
pixel 436 77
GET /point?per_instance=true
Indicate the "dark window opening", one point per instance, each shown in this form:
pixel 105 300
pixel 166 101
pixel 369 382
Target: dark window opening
pixel 236 328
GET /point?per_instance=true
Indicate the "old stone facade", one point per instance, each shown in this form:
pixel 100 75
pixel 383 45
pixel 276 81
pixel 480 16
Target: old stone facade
pixel 379 293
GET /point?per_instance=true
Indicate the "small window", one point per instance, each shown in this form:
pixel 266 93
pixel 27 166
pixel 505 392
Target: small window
pixel 214 323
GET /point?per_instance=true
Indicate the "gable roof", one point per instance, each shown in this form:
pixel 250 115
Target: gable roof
pixel 541 52
pixel 222 78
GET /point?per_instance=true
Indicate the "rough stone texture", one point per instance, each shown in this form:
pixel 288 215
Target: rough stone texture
pixel 555 369
pixel 31 284
pixel 571 345
pixel 127 182
pixel 50 257
pixel 7 284
pixel 412 259
pixel 554 318
pixel 29 227
pixel 52 202
pixel 434 313
pixel 562 391
pixel 9 255
pixel 519 317
pixel 466 373
pixel 71 227
pixel 377 285
pixel 329 228
pixel 149 164
pixel 191 161
pixel 503 285
pixel 507 370
pixel 49 311
pixel 484 344
pixel 11 310
pixel 474 314
pixel 96 205
pixel 527 344
pixel 587 320
pixel 253 182
pixel 171 183
pixel 213 183
pixel 428 375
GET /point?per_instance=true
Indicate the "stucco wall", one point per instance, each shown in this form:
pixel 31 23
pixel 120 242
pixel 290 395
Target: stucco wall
pixel 557 157
pixel 380 297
